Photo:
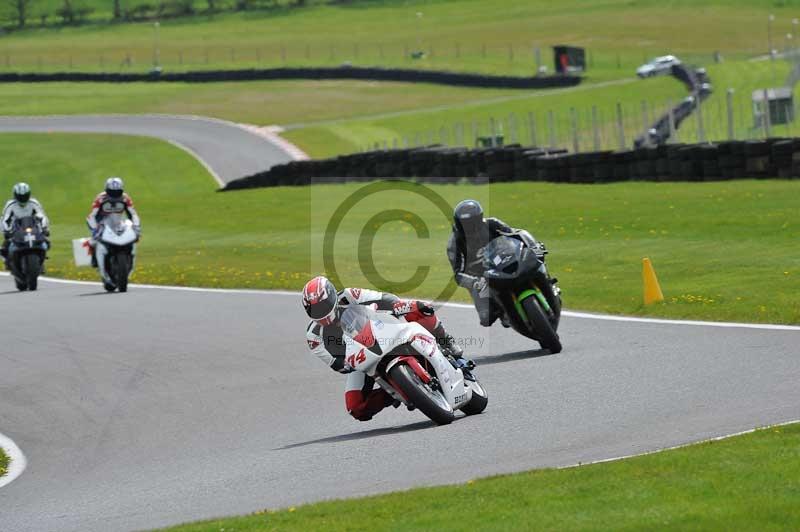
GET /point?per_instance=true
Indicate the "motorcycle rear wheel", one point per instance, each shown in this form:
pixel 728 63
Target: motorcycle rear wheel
pixel 430 402
pixel 31 266
pixel 548 338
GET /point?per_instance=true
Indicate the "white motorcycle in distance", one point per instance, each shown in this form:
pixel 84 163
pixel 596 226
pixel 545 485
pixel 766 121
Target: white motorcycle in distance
pixel 405 360
pixel 116 251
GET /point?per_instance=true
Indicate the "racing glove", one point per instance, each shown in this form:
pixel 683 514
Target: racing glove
pixel 403 307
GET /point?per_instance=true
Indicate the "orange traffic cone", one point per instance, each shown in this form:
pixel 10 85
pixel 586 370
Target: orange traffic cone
pixel 652 290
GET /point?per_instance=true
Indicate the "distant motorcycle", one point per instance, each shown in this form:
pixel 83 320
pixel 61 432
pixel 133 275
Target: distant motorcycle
pixel 529 297
pixel 26 252
pixel 405 360
pixel 115 252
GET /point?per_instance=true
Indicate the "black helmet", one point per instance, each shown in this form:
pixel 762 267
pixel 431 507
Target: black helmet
pixel 468 216
pixel 114 187
pixel 22 193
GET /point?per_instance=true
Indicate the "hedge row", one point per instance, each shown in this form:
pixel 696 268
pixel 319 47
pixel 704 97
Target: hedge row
pixel 435 164
pixel 316 73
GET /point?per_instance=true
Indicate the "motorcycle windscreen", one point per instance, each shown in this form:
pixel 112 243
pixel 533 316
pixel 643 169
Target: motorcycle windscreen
pixel 356 323
pixel 501 253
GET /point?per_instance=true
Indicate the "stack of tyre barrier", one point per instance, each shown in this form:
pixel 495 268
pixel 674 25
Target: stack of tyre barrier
pixel 774 157
pixel 699 85
pixel 316 73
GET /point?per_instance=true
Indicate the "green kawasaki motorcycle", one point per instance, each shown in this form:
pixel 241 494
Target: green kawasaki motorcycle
pixel 529 297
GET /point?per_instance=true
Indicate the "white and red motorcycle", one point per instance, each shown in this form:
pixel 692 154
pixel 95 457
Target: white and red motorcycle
pixel 405 360
pixel 116 252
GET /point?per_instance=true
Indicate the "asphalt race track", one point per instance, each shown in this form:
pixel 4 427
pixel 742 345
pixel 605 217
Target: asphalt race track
pixel 228 150
pixel 160 406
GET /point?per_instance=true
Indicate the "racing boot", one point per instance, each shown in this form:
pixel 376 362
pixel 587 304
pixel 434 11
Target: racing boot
pixel 453 352
pixel 447 343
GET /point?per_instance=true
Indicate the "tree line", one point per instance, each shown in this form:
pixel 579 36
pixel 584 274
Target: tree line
pixel 21 14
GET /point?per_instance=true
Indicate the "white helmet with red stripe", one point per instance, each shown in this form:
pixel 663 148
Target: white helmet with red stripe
pixel 320 300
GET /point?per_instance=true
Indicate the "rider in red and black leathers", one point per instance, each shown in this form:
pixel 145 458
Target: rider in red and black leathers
pixel 471 233
pixel 324 306
pixel 112 201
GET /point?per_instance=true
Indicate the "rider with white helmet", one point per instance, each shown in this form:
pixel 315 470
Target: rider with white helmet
pixel 20 206
pixel 113 201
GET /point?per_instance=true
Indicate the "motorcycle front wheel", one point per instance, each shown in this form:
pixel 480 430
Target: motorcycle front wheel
pixel 427 400
pixel 548 338
pixel 120 269
pixel 31 266
pixel 478 402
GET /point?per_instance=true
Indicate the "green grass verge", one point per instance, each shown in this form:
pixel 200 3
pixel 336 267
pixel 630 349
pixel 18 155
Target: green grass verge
pixel 4 461
pixel 332 117
pixel 747 482
pixel 723 251
pixel 469 35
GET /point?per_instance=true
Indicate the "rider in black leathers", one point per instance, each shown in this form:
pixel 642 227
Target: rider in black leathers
pixel 471 233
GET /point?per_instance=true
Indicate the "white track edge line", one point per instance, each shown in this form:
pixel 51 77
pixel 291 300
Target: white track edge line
pixel 681 446
pixel 568 313
pixel 199 159
pixel 17 463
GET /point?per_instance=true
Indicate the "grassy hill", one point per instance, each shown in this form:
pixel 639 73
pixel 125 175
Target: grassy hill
pixel 694 233
pixel 471 35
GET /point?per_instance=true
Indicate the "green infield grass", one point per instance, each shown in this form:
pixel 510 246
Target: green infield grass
pixel 4 461
pixel 327 118
pixel 722 251
pixel 746 482
pixel 467 35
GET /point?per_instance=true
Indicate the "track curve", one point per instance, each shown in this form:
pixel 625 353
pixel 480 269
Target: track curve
pixel 229 151
pixel 194 404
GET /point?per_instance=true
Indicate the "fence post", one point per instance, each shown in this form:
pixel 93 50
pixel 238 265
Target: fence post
pixel 551 126
pixel 673 130
pixel 766 119
pixel 443 137
pixel 645 123
pixel 701 133
pixel 513 128
pixel 595 130
pixel 532 128
pixel 573 124
pixel 493 132
pixel 620 127
pixel 538 53
pixel 729 105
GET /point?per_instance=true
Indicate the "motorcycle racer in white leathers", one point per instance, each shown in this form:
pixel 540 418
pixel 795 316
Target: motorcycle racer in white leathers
pixel 21 206
pixel 113 201
pixel 324 305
